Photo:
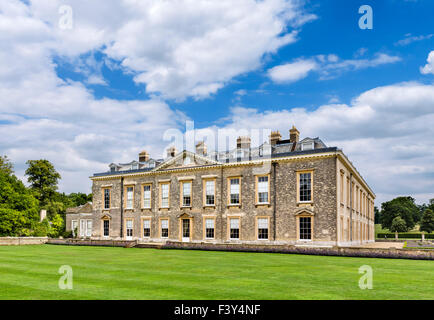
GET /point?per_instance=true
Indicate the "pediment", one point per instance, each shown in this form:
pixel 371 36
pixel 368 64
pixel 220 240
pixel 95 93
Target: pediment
pixel 185 215
pixel 86 208
pixel 106 217
pixel 185 159
pixel 304 211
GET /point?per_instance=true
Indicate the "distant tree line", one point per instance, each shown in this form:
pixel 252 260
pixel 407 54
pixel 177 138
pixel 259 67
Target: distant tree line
pixel 20 206
pixel 402 214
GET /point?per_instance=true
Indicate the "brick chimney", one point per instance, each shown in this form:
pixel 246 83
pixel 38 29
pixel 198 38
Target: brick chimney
pixel 243 143
pixel 201 148
pixel 275 137
pixel 143 156
pixel 294 135
pixel 171 152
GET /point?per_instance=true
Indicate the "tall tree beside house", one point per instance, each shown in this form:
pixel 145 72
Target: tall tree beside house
pixel 377 215
pixel 19 209
pixel 427 222
pixel 43 179
pixel 403 207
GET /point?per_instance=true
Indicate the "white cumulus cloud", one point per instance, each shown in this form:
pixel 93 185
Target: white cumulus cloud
pixel 429 67
pixel 291 72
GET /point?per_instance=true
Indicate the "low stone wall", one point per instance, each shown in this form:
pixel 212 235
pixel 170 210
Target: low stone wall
pixel 392 253
pixel 325 251
pixel 102 243
pixel 18 241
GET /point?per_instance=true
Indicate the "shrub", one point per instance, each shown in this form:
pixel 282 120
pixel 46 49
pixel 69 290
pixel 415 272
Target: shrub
pixel 67 234
pixel 41 229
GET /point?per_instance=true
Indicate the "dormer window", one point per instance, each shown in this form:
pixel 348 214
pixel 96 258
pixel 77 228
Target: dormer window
pixel 307 146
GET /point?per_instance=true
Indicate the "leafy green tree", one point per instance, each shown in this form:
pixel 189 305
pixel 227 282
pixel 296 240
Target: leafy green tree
pixel 403 207
pixel 14 195
pixel 43 179
pixel 377 215
pixel 57 226
pixel 54 209
pixel 41 229
pixel 398 225
pixel 18 207
pixel 6 166
pixel 12 223
pixel 79 198
pixel 427 222
pixel 419 215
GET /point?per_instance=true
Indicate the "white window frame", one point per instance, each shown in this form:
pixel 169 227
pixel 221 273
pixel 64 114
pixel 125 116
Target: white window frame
pixel 207 188
pixel 129 201
pixel 189 194
pixel 147 201
pixel 260 221
pixel 261 184
pixel 230 227
pixel 163 198
pixel 161 228
pixel 206 227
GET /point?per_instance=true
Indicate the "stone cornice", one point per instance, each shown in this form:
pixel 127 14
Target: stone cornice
pixel 220 165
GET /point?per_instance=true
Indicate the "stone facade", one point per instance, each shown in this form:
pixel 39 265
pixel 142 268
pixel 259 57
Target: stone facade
pixel 284 210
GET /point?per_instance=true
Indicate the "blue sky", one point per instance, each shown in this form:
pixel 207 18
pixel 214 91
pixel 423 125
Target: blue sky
pixel 335 31
pixel 120 75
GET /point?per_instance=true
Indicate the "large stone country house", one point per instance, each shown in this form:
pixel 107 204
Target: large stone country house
pixel 283 192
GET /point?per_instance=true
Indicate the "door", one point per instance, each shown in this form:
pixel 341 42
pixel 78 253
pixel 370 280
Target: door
pixel 185 230
pixel 129 229
pixel 83 228
pixel 74 226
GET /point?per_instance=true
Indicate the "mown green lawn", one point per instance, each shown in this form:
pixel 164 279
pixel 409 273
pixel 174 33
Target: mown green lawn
pixel 31 272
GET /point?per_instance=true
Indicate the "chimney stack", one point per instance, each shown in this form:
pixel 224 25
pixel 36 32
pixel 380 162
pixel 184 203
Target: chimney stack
pixel 201 148
pixel 171 152
pixel 294 135
pixel 243 143
pixel 275 137
pixel 143 156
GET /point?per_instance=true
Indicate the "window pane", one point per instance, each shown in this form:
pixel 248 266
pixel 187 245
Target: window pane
pixel 235 185
pixel 186 188
pixel 263 223
pixel 235 191
pixel 235 223
pixel 130 197
pixel 235 228
pixel 165 224
pixel 164 195
pixel 106 228
pixel 262 228
pixel 164 228
pixel 89 228
pixel 147 196
pixel 210 187
pixel 106 198
pixel 209 223
pixel 209 192
pixel 263 189
pixel 305 187
pixel 305 228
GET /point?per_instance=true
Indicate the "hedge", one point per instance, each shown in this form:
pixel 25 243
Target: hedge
pixel 405 235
